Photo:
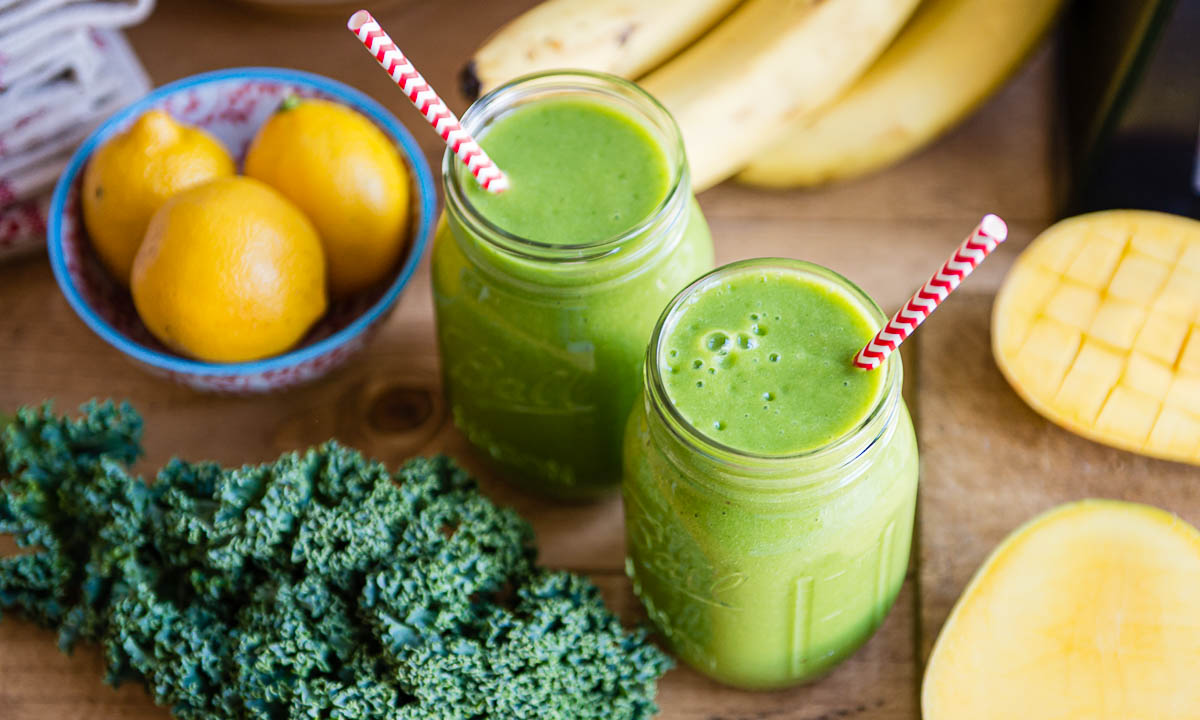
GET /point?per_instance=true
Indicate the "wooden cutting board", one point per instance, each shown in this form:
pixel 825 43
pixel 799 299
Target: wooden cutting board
pixel 987 461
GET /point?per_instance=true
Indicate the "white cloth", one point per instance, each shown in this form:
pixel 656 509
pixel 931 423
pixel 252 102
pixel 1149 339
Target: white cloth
pixel 63 70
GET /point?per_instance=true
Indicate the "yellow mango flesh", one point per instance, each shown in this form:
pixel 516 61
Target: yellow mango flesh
pixel 1089 612
pixel 1097 327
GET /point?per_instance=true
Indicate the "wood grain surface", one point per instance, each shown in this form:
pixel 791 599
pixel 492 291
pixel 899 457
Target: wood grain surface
pixel 987 461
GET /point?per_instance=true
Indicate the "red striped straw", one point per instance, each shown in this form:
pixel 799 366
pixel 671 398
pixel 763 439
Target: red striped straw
pixel 990 232
pixel 446 123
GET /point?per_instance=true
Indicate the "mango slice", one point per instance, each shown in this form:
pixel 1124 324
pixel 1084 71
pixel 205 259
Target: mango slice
pixel 1091 611
pixel 1097 327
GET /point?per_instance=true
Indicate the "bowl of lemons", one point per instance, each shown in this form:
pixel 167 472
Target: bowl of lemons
pixel 242 231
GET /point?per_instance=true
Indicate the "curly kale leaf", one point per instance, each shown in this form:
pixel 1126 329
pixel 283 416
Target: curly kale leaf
pixel 48 469
pixel 317 586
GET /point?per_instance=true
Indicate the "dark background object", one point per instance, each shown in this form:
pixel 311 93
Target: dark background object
pixel 1131 81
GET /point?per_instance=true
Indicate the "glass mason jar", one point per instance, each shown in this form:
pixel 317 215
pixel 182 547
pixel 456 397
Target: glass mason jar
pixel 766 571
pixel 541 344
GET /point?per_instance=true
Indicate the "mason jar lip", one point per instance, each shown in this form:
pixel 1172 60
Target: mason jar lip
pixel 509 95
pixel 884 402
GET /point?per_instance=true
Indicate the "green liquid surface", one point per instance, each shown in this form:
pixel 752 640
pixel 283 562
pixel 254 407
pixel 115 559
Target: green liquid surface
pixel 580 172
pixel 760 361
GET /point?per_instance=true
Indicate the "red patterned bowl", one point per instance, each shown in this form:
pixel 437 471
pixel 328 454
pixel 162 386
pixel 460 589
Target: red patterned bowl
pixel 232 104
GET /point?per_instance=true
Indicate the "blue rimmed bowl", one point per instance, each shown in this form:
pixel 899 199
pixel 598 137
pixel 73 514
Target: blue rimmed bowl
pixel 232 104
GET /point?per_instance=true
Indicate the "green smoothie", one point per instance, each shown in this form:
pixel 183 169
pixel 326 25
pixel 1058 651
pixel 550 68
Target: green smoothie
pixel 760 363
pixel 581 172
pixel 769 485
pixel 546 294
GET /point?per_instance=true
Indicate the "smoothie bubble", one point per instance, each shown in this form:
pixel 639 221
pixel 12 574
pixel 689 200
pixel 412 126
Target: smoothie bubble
pixel 815 397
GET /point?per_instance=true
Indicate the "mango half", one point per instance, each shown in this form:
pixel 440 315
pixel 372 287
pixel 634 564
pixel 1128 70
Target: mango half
pixel 1097 328
pixel 1091 611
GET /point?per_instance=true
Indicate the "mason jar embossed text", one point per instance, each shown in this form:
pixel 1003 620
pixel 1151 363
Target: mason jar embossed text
pixel 545 295
pixel 769 486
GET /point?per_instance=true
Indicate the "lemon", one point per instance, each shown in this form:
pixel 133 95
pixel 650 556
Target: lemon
pixel 347 176
pixel 229 271
pixel 134 173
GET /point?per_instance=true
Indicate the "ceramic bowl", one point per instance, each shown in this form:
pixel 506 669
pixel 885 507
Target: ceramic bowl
pixel 231 105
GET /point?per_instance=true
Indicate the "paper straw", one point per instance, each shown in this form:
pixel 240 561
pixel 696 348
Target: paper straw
pixel 990 232
pixel 377 42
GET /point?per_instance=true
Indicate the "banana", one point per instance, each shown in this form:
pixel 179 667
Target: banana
pixel 741 85
pixel 622 37
pixel 952 55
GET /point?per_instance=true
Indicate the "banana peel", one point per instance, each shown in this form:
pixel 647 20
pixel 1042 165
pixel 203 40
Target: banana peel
pixel 950 57
pixel 743 84
pixel 621 37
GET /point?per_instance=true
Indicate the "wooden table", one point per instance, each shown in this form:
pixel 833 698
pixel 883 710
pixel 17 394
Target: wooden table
pixel 988 462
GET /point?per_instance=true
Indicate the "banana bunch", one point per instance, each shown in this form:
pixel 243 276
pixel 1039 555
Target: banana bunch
pixel 783 93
